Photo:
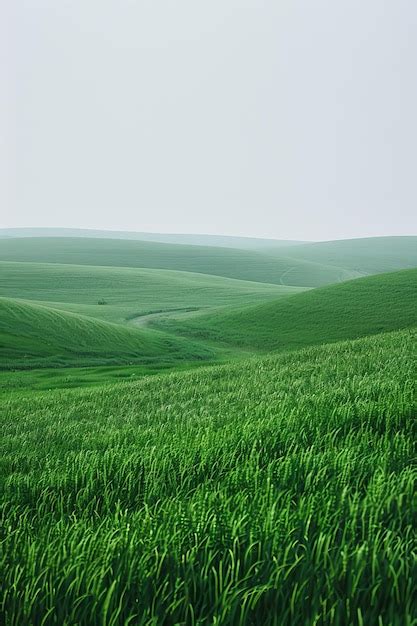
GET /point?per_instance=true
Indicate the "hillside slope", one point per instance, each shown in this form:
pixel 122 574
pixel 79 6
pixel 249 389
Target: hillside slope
pixel 353 309
pixel 372 255
pixel 128 292
pixel 228 262
pixel 37 336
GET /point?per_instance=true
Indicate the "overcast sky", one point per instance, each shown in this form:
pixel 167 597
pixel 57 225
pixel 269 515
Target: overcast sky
pixel 284 118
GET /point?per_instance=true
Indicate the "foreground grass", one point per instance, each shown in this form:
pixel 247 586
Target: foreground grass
pixel 276 491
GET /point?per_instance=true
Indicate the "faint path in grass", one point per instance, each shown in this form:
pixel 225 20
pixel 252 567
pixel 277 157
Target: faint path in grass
pixel 284 274
pixel 154 316
pixel 224 351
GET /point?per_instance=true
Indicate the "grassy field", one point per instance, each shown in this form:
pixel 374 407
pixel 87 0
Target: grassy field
pixel 157 470
pixel 37 336
pixel 277 491
pixel 352 309
pixel 241 264
pixel 128 292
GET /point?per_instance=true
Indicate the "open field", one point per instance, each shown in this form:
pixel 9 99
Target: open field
pixel 236 263
pixel 275 491
pixel 353 309
pixel 157 470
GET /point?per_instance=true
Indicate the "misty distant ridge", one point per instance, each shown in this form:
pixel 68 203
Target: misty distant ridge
pixel 298 264
pixel 222 241
pixel 198 239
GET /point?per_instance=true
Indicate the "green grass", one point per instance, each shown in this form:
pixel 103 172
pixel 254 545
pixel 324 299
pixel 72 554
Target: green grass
pixel 19 382
pixel 240 264
pixel 353 309
pixel 277 491
pixel 37 336
pixel 128 292
pixel 372 255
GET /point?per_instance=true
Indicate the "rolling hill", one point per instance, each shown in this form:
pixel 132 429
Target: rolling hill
pixel 277 489
pixel 372 255
pixel 128 292
pixel 353 309
pixel 246 265
pixel 37 336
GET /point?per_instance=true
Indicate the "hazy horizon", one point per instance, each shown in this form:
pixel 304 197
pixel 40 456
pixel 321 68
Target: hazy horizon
pixel 290 121
pixel 196 234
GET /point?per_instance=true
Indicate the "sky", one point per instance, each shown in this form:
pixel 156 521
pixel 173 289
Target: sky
pixel 290 119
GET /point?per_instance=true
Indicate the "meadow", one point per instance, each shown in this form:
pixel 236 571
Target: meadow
pixel 278 491
pixel 183 447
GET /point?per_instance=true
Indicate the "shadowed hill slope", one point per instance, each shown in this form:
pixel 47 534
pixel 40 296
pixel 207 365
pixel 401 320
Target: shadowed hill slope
pixel 38 336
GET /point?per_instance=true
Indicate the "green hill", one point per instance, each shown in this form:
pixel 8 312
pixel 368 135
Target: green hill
pixel 37 336
pixel 278 491
pixel 245 243
pixel 353 309
pixel 128 292
pixel 372 255
pixel 228 262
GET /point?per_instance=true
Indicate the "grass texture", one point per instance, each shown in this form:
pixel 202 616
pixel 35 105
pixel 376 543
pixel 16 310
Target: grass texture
pixel 276 491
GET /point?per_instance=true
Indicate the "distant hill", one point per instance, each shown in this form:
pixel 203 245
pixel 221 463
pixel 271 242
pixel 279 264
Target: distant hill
pixel 371 255
pixel 229 262
pixel 37 336
pixel 357 308
pixel 247 243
